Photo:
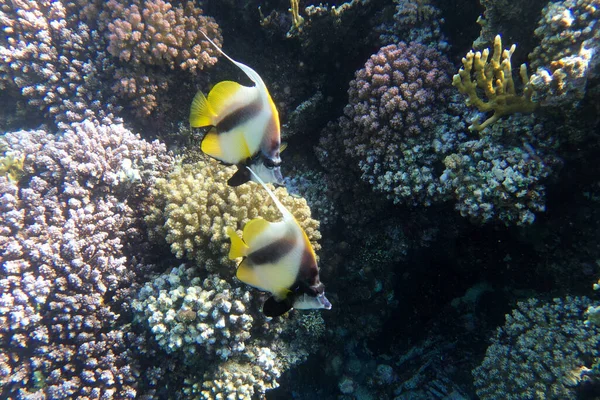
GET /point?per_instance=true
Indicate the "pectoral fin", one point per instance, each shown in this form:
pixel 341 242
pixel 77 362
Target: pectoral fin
pixel 273 308
pixel 241 176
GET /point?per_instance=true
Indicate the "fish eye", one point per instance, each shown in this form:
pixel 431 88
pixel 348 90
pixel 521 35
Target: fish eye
pixel 269 163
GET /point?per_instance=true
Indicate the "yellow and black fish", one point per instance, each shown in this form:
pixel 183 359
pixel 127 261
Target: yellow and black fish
pixel 279 259
pixel 245 126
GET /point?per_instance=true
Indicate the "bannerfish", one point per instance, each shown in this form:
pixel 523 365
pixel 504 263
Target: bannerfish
pixel 279 259
pixel 245 126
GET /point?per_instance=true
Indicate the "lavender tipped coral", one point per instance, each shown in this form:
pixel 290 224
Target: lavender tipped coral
pixel 72 253
pixel 395 103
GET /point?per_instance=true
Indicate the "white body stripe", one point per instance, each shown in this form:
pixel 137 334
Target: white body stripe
pixel 281 275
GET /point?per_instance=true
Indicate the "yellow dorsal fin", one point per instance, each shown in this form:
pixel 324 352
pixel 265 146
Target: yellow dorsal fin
pixel 254 228
pixel 201 113
pixel 238 247
pixel 221 94
pixel 211 145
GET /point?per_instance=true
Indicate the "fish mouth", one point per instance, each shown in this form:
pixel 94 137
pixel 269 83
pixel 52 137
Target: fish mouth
pixel 277 176
pixel 324 302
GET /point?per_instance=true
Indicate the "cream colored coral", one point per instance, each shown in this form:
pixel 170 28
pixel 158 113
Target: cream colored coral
pixel 194 206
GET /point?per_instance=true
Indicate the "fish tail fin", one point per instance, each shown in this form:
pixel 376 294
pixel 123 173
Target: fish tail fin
pixel 238 247
pixel 282 209
pixel 201 113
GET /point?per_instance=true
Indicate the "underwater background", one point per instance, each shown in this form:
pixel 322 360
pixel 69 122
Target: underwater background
pixel 442 158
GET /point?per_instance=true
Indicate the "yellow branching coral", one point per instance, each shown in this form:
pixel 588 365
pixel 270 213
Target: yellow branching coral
pixel 193 207
pixel 12 167
pixel 297 20
pixel 494 79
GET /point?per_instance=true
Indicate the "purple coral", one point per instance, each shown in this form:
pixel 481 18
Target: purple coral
pixel 50 53
pixel 72 248
pixel 395 103
pixel 75 60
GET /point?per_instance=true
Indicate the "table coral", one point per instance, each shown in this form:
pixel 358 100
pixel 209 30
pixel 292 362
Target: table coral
pixel 543 351
pixel 72 253
pixel 194 206
pixel 494 79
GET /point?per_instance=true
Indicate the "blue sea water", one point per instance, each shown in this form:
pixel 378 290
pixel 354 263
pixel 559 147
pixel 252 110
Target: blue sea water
pixel 439 157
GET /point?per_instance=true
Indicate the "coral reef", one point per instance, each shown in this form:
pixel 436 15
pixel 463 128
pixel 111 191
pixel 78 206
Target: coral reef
pixel 194 316
pixel 418 21
pixel 61 55
pixel 544 351
pixel 226 347
pixel 53 56
pixel 514 20
pixel 153 32
pixel 73 252
pixel 494 79
pixel 501 176
pixel 194 206
pixel 395 103
pixel 567 54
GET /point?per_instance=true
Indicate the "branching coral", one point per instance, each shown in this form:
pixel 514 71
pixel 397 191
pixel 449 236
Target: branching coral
pixel 542 352
pixel 153 32
pixel 568 53
pixel 72 253
pixel 194 316
pixel 494 78
pixel 194 206
pixel 396 104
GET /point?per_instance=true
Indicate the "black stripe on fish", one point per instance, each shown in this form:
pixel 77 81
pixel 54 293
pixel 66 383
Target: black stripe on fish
pixel 308 271
pixel 241 115
pixel 272 253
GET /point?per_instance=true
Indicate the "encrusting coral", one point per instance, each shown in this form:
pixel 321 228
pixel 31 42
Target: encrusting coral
pixel 194 206
pixel 494 78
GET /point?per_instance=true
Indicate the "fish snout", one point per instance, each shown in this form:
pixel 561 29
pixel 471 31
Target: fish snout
pixel 324 302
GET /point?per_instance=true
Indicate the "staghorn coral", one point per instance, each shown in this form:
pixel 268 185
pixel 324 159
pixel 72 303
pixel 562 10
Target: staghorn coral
pixel 567 55
pixel 194 206
pixel 543 351
pixel 72 255
pixel 494 79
